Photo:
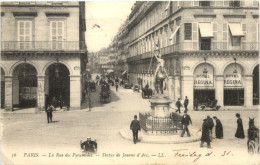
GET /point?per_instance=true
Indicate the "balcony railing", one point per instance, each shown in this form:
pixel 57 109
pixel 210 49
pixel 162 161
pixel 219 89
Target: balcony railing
pixel 42 45
pixel 201 46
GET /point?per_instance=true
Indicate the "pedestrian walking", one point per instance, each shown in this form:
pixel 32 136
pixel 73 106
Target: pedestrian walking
pixel 49 111
pixel 240 130
pixel 185 121
pixel 205 134
pixel 186 103
pixel 116 86
pixel 210 125
pixel 135 127
pixel 219 128
pixel 178 105
pixel 196 104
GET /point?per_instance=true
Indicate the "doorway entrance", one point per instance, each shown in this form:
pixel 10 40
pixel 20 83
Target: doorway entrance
pixel 2 88
pixel 24 86
pixel 57 86
pixel 256 86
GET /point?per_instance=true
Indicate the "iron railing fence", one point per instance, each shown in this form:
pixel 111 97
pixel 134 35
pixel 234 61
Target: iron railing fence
pixel 42 45
pixel 160 124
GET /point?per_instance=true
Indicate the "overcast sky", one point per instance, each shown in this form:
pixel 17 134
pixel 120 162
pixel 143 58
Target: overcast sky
pixel 103 20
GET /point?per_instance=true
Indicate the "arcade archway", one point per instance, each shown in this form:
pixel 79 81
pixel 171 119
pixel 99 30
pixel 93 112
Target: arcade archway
pixel 204 85
pixel 256 85
pixel 57 85
pixel 2 88
pixel 24 86
pixel 233 85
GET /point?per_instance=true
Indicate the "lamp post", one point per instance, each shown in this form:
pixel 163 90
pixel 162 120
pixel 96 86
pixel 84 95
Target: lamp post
pixel 235 69
pixel 205 71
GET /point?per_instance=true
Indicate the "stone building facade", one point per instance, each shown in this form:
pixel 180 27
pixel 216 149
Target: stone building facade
pixel 210 49
pixel 43 53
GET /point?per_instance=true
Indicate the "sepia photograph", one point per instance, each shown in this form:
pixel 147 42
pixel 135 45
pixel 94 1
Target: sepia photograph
pixel 129 82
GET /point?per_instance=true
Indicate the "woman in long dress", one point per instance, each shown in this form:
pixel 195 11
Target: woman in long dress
pixel 240 130
pixel 219 128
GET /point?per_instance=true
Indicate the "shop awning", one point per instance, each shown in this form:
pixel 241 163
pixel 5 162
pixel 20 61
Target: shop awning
pixel 204 88
pixel 206 30
pixel 236 29
pixel 174 32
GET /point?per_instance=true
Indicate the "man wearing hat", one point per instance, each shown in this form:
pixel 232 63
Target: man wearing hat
pixel 135 127
pixel 185 121
pixel 89 145
pixel 205 134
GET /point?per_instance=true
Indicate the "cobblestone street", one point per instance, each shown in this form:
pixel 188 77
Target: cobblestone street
pixel 26 133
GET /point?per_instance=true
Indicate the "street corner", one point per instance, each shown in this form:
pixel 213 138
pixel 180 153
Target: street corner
pixel 145 137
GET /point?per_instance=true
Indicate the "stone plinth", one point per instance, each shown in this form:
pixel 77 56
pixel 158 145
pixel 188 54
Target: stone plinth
pixel 160 106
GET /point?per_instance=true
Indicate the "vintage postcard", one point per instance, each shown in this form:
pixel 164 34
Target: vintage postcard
pixel 130 82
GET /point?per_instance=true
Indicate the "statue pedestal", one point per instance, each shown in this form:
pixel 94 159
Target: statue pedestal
pixel 160 106
pixel 160 120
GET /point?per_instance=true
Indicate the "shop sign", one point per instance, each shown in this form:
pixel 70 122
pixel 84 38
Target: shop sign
pixel 204 80
pixel 186 67
pixel 233 80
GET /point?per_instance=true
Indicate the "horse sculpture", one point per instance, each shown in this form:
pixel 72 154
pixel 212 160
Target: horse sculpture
pixel 253 138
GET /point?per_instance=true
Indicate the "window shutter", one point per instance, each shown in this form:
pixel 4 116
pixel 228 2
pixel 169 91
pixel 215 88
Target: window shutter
pixel 226 3
pixel 215 34
pixel 195 3
pixel 225 36
pixel 244 44
pixel 242 3
pixel 255 3
pixel 195 35
pixel 212 3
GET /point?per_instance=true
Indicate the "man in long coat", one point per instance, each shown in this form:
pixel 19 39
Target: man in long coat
pixel 185 121
pixel 210 125
pixel 135 127
pixel 186 102
pixel 219 128
pixel 205 134
pixel 178 105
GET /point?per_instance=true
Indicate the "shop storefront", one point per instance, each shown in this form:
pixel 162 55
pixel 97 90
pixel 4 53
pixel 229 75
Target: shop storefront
pixel 204 85
pixel 256 85
pixel 233 85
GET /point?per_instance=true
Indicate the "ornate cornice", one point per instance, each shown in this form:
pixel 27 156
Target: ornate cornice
pixel 56 14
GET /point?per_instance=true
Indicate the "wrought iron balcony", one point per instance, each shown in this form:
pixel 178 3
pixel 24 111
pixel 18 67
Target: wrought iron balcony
pixel 42 46
pixel 199 46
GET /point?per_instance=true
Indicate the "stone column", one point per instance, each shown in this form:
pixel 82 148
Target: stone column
pixel 248 90
pixel 8 93
pixel 187 90
pixel 171 87
pixel 219 89
pixel 177 87
pixel 40 93
pixel 75 92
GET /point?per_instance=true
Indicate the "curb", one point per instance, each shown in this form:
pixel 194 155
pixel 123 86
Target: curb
pixel 160 142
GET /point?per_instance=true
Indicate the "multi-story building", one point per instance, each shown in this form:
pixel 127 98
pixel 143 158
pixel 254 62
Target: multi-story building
pixel 43 53
pixel 210 49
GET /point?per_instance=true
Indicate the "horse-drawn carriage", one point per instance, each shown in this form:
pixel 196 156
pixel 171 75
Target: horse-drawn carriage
pixel 105 93
pixel 92 86
pixel 253 138
pixel 210 106
pixel 147 93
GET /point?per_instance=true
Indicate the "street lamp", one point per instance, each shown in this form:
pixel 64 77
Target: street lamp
pixel 24 69
pixel 235 69
pixel 205 71
pixel 57 71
